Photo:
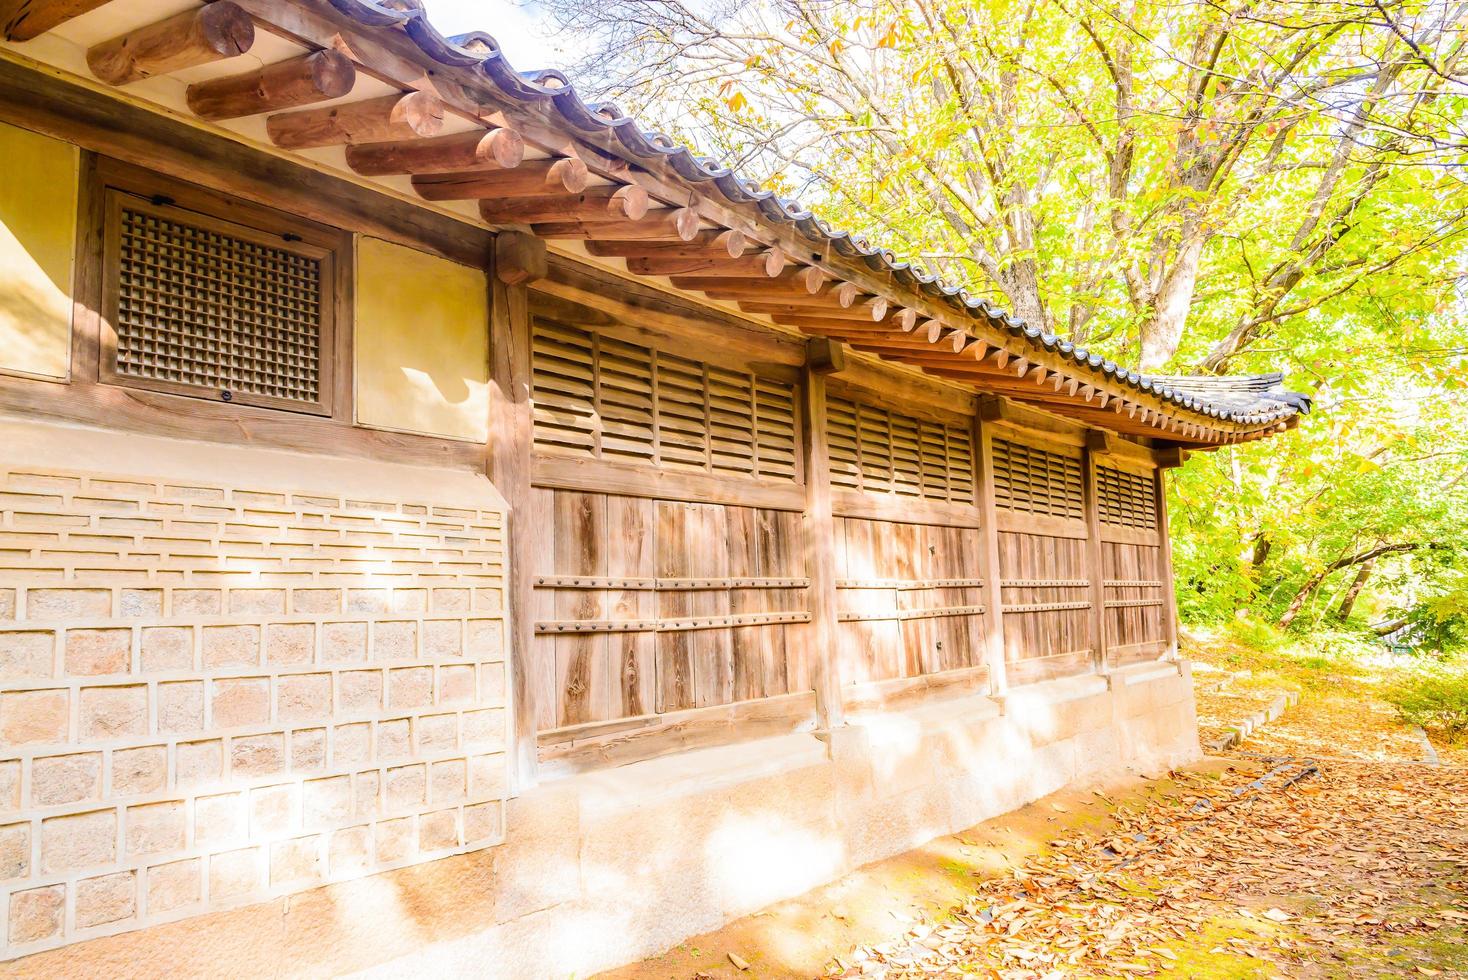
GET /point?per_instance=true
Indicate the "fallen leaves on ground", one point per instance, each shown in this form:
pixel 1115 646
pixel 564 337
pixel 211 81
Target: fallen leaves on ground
pixel 1361 861
pixel 1358 869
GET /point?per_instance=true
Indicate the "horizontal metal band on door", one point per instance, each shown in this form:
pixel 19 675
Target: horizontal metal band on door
pixel 909 585
pixel 666 584
pixel 1131 584
pixel 568 627
pixel 1045 583
pixel 1036 607
pixel 906 614
pixel 1131 603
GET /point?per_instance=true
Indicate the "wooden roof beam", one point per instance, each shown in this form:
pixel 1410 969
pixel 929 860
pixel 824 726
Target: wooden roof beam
pixel 660 224
pixel 533 178
pixel 804 281
pixel 607 201
pixel 768 264
pixel 399 116
pixel 479 150
pixel 715 243
pixel 24 20
pixel 290 84
pixel 195 37
pixel 790 313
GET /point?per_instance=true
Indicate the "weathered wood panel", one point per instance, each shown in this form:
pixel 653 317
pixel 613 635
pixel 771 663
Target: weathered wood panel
pixel 910 599
pixel 1046 590
pixel 652 606
pixel 1134 617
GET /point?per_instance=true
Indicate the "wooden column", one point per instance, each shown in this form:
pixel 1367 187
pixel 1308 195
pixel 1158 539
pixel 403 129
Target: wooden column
pixel 989 534
pixel 820 535
pixel 518 260
pixel 1097 443
pixel 1169 587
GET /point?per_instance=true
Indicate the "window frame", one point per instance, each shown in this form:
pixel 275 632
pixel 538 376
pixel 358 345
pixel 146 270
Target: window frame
pixel 117 186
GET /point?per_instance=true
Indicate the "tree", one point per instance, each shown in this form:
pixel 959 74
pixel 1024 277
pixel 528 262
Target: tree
pixel 1125 174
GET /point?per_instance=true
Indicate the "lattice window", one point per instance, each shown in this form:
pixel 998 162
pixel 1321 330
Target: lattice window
pixel 1037 481
pixel 603 398
pixel 201 306
pixel 1125 499
pixel 876 450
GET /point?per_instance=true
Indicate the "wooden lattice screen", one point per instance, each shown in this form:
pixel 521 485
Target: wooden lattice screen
pixel 203 306
pixel 1125 499
pixel 876 450
pixel 1037 481
pixel 603 398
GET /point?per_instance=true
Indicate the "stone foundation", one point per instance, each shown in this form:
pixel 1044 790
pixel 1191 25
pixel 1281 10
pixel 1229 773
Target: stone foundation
pixel 605 868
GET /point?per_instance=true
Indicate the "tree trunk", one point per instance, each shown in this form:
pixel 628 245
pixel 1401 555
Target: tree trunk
pixel 1163 332
pixel 1357 584
pixel 1314 581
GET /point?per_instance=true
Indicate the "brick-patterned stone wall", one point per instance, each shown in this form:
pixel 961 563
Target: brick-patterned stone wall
pixel 213 693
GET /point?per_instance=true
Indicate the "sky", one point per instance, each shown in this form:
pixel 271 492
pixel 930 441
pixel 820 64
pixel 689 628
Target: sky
pixel 524 33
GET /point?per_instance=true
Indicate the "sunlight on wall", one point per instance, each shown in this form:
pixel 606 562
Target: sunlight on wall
pixel 37 225
pixel 422 343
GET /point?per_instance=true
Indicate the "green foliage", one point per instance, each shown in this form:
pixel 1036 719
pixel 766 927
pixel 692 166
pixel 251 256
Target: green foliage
pixel 1436 699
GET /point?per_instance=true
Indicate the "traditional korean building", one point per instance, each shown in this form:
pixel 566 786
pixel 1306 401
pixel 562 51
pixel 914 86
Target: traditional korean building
pixel 444 527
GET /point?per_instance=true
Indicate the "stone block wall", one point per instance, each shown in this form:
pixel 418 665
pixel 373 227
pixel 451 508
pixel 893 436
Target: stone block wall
pixel 216 691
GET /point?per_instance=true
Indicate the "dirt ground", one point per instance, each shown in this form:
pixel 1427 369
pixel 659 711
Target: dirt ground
pixel 1321 847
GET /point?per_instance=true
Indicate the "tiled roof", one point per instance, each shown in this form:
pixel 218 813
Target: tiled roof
pixel 1249 401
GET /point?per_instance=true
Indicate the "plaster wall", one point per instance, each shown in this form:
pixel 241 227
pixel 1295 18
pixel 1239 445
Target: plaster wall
pixel 38 201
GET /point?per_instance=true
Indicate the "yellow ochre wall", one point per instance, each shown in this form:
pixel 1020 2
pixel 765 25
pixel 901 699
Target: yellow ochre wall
pixel 422 343
pixel 38 195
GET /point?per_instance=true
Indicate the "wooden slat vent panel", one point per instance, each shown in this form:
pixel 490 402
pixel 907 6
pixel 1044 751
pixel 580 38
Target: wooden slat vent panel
pixel 603 398
pixel 1125 499
pixel 1037 481
pixel 880 451
pixel 205 304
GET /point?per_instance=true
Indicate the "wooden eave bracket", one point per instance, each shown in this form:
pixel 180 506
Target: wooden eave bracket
pixel 1100 442
pixel 825 355
pixel 994 408
pixel 1169 455
pixel 519 258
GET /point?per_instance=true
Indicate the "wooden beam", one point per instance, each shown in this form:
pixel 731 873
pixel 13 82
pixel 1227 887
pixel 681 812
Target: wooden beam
pixel 711 244
pixel 1095 558
pixel 610 202
pixel 311 78
pixel 390 117
pixel 661 224
pixel 755 265
pixel 990 566
pixel 484 150
pixel 511 446
pixel 1100 442
pixel 519 258
pixel 800 280
pixel 825 356
pixel 195 37
pixel 533 178
pixel 820 552
pixel 776 307
pixel 22 20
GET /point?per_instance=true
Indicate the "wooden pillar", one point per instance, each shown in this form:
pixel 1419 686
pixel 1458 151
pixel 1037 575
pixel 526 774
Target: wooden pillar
pixel 518 260
pixel 824 358
pixel 1097 443
pixel 993 574
pixel 1169 587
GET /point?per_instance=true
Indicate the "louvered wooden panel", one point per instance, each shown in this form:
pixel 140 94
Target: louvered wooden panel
pixel 604 398
pixel 1125 499
pixel 1037 481
pixel 203 306
pixel 879 451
